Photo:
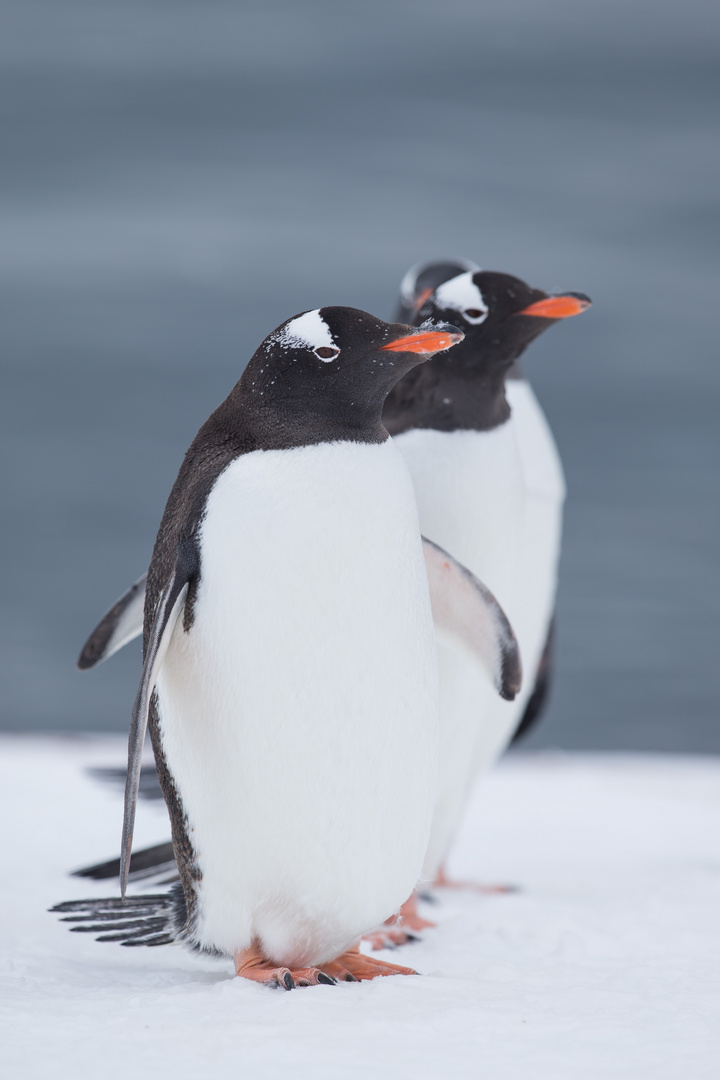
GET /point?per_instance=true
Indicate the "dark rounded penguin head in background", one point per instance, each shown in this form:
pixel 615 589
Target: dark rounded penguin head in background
pixel 422 280
pixel 341 354
pixel 499 314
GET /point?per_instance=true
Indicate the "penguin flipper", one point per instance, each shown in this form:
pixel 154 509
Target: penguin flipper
pixel 467 613
pixel 118 626
pixel 170 604
pixel 537 702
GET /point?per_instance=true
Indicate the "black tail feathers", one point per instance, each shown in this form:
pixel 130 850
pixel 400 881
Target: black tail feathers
pixel 151 862
pixel 155 919
pixel 149 783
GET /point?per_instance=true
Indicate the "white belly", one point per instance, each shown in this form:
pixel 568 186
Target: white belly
pixel 470 494
pixel 542 533
pixel 299 714
pixel 494 501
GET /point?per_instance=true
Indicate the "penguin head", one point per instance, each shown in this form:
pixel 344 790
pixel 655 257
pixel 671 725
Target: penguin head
pixel 422 280
pixel 339 363
pixel 499 314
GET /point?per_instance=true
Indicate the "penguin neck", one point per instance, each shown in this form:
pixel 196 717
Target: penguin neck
pixel 516 372
pixel 448 396
pixel 272 423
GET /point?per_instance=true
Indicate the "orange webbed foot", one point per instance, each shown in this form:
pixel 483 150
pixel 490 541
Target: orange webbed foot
pixel 443 882
pixel 389 937
pixel 409 916
pixel 253 964
pixel 353 966
pixel 400 929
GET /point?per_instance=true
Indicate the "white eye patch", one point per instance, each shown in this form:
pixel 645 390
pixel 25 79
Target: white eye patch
pixel 462 294
pixel 408 285
pixel 308 331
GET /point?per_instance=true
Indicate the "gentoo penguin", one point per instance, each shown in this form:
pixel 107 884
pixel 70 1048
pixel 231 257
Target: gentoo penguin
pixel 290 662
pixel 490 487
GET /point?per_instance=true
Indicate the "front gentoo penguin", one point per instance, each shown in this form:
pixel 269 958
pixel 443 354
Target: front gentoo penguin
pixel 489 487
pixel 290 662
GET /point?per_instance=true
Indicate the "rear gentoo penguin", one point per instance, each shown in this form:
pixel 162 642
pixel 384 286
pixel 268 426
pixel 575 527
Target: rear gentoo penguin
pixel 489 486
pixel 290 662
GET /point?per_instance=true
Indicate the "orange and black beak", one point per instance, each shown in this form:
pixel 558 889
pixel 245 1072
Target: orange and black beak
pixel 559 306
pixel 421 297
pixel 426 342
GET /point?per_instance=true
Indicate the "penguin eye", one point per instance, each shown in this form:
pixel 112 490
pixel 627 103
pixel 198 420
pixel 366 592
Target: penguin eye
pixel 474 314
pixel 326 353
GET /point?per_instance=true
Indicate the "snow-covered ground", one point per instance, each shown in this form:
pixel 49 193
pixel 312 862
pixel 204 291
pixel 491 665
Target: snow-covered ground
pixel 604 965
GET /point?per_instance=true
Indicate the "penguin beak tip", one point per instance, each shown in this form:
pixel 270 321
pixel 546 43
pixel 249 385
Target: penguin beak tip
pixel 426 342
pixel 560 306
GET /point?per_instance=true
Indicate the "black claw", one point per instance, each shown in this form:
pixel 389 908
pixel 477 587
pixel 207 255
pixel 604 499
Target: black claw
pixel 350 977
pixel 411 937
pixel 288 981
pixel 326 979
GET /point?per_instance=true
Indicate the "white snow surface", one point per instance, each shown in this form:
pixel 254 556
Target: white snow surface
pixel 604 965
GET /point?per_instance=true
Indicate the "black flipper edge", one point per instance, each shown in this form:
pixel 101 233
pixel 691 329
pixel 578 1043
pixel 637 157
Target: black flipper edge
pixel 466 612
pixel 118 626
pixel 169 608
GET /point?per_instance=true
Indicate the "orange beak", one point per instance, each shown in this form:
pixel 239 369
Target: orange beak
pixel 558 307
pixel 420 300
pixel 429 341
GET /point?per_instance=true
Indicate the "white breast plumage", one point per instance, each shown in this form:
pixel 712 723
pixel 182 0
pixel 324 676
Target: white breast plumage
pixel 307 675
pixel 544 485
pixel 476 497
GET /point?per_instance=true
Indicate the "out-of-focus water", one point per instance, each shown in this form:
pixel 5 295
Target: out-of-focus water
pixel 180 177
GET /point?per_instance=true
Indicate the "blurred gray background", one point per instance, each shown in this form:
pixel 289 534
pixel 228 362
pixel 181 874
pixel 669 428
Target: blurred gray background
pixel 179 177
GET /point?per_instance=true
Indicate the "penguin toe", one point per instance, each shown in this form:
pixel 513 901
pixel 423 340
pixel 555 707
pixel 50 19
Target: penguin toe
pixel 312 977
pixel 388 938
pixel 399 929
pixel 339 972
pixel 252 964
pixel 354 966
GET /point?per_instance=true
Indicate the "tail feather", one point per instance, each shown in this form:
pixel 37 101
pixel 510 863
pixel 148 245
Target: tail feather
pixel 147 863
pixel 149 783
pixel 145 925
pixel 161 939
pixel 155 919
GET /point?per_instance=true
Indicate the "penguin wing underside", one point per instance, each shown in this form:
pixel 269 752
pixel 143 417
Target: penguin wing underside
pixel 468 617
pixel 119 626
pixel 168 609
pixel 538 700
pixel 465 612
